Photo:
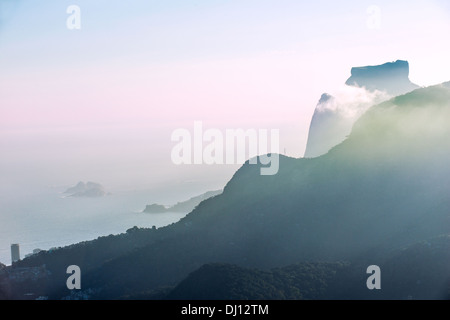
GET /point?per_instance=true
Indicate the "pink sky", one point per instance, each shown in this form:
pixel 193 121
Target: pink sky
pixel 108 96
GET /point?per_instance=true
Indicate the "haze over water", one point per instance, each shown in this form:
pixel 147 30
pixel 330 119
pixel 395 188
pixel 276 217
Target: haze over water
pixel 49 218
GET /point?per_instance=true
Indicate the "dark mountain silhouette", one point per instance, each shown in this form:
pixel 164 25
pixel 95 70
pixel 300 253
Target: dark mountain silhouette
pixel 184 206
pixel 406 274
pixel 419 271
pixel 383 189
pixel 331 121
pixel 230 282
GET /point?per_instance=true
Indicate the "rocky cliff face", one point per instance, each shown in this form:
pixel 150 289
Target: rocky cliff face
pixel 332 122
pixel 391 77
pixel 327 127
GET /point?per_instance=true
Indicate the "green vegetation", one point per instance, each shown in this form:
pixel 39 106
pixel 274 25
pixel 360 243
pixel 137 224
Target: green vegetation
pixel 230 282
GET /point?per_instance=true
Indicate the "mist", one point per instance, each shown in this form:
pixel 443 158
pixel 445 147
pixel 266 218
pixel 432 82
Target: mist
pixel 120 158
pixel 351 102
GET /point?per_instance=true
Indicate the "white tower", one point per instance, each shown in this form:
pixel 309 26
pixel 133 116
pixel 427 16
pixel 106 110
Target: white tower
pixel 15 252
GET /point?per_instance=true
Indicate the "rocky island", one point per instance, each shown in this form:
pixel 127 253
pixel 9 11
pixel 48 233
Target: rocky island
pixel 155 208
pixel 89 189
pixel 185 206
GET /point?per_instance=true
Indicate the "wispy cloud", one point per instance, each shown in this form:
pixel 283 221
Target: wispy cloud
pixel 351 102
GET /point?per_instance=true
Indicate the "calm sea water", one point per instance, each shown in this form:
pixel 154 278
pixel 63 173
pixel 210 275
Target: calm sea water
pixel 47 218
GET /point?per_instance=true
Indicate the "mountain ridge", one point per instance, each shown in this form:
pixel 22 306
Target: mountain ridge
pixel 333 119
pixel 383 188
pixel 338 241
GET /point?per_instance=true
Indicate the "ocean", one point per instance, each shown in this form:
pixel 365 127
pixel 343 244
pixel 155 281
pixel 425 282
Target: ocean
pixel 48 218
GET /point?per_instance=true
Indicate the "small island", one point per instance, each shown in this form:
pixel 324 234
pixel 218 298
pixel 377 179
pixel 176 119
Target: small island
pixel 185 206
pixel 89 189
pixel 155 208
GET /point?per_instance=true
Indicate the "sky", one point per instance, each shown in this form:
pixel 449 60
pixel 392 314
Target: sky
pixel 100 103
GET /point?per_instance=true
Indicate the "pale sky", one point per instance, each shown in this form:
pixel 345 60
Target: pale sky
pixel 100 103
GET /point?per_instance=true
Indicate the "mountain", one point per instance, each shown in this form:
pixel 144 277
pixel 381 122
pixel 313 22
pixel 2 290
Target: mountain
pixel 405 273
pixel 334 117
pixel 185 206
pixel 305 281
pixel 383 189
pixel 392 77
pixel 89 189
pixel 328 127
pixel 419 271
